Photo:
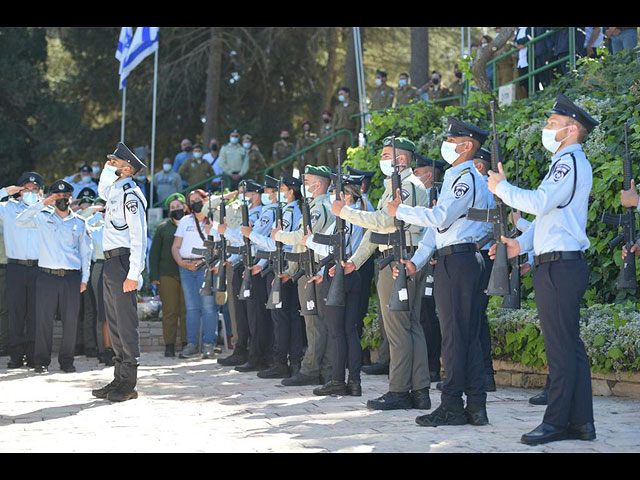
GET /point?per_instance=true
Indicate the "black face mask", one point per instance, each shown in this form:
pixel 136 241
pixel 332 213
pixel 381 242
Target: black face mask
pixel 326 120
pixel 188 149
pixel 196 207
pixel 459 74
pixel 62 204
pixel 214 148
pixel 284 138
pixel 435 81
pixel 178 214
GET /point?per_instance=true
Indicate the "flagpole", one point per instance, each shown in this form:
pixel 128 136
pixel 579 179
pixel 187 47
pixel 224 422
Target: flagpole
pixel 124 101
pixel 153 123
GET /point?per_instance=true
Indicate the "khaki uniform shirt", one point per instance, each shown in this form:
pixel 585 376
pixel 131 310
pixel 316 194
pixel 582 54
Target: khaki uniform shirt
pixel 413 193
pixel 195 171
pixel 282 150
pixel 407 95
pixel 342 117
pixel 304 141
pixel 381 97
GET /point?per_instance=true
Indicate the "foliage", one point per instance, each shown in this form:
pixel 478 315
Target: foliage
pixel 371 338
pixel 606 88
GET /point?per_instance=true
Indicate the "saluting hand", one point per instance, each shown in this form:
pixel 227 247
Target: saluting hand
pixel 513 248
pixel 496 177
pixel 392 206
pixel 51 199
pixel 12 190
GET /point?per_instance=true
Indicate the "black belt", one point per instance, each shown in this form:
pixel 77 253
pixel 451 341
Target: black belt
pixel 26 263
pixel 101 260
pixel 457 248
pixel 115 252
pixel 555 256
pixel 385 253
pixel 60 272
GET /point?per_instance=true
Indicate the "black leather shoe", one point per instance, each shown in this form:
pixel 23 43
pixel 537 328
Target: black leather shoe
pixel 391 401
pixel 275 371
pixel 439 385
pixel 104 391
pixel 333 387
pixel 41 369
pixel 376 369
pixel 544 433
pixel 68 368
pixel 489 383
pixel 233 360
pixel 420 399
pixel 476 415
pixel 250 367
pixel 15 363
pixel 122 395
pixel 295 367
pixel 443 415
pixel 300 380
pixel 581 432
pixel 169 350
pixel 540 399
pixel 29 362
pixel 434 376
pixel 354 388
pixel 107 356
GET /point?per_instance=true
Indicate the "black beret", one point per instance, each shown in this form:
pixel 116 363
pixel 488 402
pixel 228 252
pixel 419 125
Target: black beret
pixel 31 177
pixel 364 173
pixel 483 154
pixel 270 182
pixel 122 152
pixel 458 128
pixel 564 106
pixel 428 162
pixel 290 180
pixel 60 186
pixel 251 186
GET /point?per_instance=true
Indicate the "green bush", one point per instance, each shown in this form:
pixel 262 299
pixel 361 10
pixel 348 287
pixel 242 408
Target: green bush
pixel 606 88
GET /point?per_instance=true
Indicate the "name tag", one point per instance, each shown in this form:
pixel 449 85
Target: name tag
pixel 403 294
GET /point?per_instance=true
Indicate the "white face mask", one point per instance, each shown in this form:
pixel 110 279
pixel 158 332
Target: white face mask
pixel 166 167
pixel 108 174
pixel 549 139
pixel 448 152
pixel 378 82
pixel 266 199
pixel 30 198
pixel 282 198
pixel 387 167
pixel 332 198
pixel 307 191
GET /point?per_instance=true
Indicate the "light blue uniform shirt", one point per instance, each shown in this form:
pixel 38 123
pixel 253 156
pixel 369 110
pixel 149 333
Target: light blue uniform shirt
pixel 79 186
pixel 462 188
pixel 62 242
pixel 95 225
pixel 19 243
pixel 555 229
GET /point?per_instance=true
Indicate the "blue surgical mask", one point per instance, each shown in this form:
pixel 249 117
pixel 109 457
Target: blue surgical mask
pixel 85 179
pixel 266 199
pixel 402 82
pixel 197 154
pixel 166 167
pixel 141 178
pixel 234 139
pixel 109 174
pixel 448 152
pixel 30 198
pixel 246 145
pixel 96 170
pixel 341 98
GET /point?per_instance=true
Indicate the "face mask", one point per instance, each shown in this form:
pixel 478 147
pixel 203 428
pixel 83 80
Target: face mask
pixel 196 207
pixel 141 178
pixel 435 80
pixel 326 120
pixel 30 198
pixel 197 154
pixel 86 213
pixel 265 198
pixel 166 167
pixel 96 170
pixel 284 138
pixel 387 167
pixel 549 139
pixel 177 214
pixel 332 197
pixel 282 198
pixel 86 179
pixel 402 82
pixel 109 174
pixel 247 145
pixel 307 191
pixel 188 149
pixel 341 98
pixel 62 204
pixel 234 139
pixel 458 74
pixel 214 148
pixel 378 82
pixel 448 152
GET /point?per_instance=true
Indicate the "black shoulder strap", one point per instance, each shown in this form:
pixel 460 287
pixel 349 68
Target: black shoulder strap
pixel 126 189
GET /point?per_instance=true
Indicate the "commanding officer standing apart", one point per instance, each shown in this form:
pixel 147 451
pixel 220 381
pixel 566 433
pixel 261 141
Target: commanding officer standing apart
pixel 457 275
pixel 64 261
pixel 22 268
pixel 408 369
pixel 559 238
pixel 125 244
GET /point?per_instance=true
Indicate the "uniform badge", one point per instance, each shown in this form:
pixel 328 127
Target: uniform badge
pixel 132 206
pixel 315 216
pixel 405 194
pixel 460 190
pixel 560 171
pixel 32 179
pixel 265 220
pixel 285 224
pixel 60 187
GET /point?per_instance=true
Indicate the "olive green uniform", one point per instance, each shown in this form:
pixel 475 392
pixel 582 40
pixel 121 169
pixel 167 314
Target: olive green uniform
pixel 195 171
pixel 342 119
pixel 408 369
pixel 325 153
pixel 381 97
pixel 280 151
pixel 309 158
pixel 317 358
pixel 406 95
pixel 256 162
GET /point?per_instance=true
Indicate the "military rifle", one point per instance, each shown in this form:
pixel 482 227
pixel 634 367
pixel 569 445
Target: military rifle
pixel 247 258
pixel 513 299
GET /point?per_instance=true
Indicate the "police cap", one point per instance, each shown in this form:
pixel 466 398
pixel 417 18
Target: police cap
pixel 122 152
pixel 458 128
pixel 564 106
pixel 60 186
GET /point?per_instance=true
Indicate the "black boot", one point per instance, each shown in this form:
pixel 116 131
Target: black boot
pixel 250 367
pixel 277 370
pixel 376 369
pixel 15 363
pixel 104 391
pixel 295 367
pixel 489 383
pixel 108 357
pixel 300 380
pixel 233 360
pixel 443 415
pixel 476 414
pixel 169 350
pixel 354 388
pixel 420 399
pixel 334 387
pixel 392 401
pixel 126 388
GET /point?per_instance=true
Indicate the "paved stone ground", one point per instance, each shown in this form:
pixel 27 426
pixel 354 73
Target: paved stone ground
pixel 200 406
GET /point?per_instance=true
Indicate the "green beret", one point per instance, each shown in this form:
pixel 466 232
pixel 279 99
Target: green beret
pixel 172 197
pixel 401 143
pixel 320 171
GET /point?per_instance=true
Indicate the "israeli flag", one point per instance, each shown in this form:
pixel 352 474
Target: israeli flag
pixel 124 42
pixel 144 43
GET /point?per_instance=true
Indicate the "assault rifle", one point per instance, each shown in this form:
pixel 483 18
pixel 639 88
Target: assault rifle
pixel 513 299
pixel 247 258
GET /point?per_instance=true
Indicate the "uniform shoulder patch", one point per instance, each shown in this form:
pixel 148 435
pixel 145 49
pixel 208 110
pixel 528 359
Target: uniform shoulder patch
pixel 315 216
pixel 560 171
pixel 460 190
pixel 405 194
pixel 285 223
pixel 132 206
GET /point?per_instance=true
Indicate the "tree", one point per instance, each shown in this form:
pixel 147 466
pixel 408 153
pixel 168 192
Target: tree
pixel 419 71
pixel 212 96
pixel 485 54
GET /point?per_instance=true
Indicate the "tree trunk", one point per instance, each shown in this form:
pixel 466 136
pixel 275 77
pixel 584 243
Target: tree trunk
pixel 419 70
pixel 332 44
pixel 212 98
pixel 350 72
pixel 485 54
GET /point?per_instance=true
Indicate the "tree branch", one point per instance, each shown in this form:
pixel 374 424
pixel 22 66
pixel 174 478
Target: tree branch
pixel 487 53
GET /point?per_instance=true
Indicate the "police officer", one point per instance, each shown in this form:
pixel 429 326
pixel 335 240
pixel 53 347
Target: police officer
pixel 408 369
pixel 316 364
pixel 64 260
pixel 559 238
pixel 81 180
pixel 429 171
pixel 287 324
pixel 457 275
pixel 382 95
pixel 124 239
pixel 22 268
